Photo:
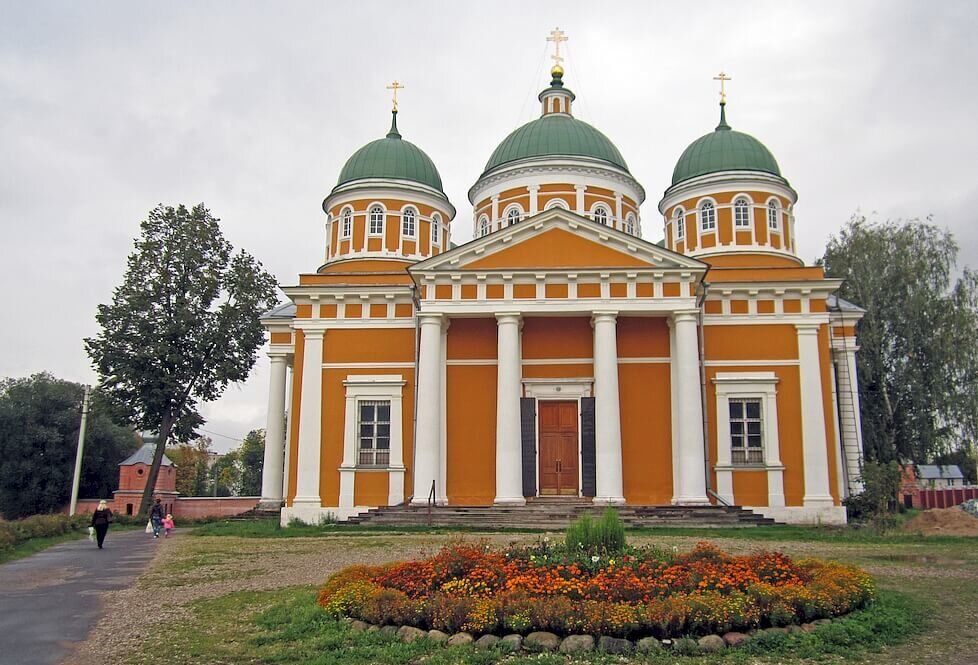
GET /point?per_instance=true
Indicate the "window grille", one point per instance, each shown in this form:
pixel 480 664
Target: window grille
pixel 376 221
pixel 746 432
pixel 375 433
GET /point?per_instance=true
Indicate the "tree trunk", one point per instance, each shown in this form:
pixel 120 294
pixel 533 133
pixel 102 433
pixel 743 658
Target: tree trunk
pixel 154 470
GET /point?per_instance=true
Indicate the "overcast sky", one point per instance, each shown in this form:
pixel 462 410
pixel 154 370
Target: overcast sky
pixel 109 108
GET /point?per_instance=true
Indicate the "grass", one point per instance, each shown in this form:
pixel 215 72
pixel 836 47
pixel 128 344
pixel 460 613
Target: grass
pixel 272 529
pixel 287 626
pixel 927 612
pixel 35 545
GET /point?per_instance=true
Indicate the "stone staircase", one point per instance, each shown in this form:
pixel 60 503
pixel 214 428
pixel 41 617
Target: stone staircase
pixel 556 514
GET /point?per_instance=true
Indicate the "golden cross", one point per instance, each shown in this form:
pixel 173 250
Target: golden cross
pixel 556 36
pixel 395 86
pixel 722 78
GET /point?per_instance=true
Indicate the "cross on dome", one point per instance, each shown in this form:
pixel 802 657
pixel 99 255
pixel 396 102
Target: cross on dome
pixel 395 86
pixel 722 78
pixel 557 36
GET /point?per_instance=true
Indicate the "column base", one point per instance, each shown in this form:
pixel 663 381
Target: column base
pixel 509 501
pixel 608 501
pixel 818 501
pixel 267 503
pixel 691 501
pixel 807 515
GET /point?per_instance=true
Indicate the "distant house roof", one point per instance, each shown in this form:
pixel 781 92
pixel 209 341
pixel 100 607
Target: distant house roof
pixel 938 472
pixel 837 304
pixel 145 456
pixel 284 311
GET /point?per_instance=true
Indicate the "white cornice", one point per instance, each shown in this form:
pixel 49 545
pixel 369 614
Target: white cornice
pixel 379 188
pixel 726 181
pixel 538 170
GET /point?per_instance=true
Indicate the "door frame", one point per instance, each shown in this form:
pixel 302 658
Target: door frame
pixel 558 390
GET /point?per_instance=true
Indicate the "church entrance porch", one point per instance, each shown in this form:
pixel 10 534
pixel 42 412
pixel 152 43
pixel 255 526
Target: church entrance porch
pixel 559 458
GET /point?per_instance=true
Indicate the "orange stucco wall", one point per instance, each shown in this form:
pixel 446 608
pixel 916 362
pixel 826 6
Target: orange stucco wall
pixel 371 488
pixel 470 474
pixel 642 337
pixel 646 432
pixel 557 337
pixel 750 487
pixel 773 342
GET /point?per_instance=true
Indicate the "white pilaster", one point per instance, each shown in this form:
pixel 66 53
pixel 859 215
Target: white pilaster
pixel 607 410
pixel 534 199
pixel 579 201
pixel 273 466
pixel 494 218
pixel 619 216
pixel 509 454
pixel 813 439
pixel 427 465
pixel 307 495
pixel 850 420
pixel 691 461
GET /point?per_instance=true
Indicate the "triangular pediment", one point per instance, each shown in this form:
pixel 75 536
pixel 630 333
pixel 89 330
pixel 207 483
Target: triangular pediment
pixel 558 240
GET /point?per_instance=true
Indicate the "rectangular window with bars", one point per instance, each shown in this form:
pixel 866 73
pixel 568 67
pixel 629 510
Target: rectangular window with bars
pixel 375 433
pixel 746 440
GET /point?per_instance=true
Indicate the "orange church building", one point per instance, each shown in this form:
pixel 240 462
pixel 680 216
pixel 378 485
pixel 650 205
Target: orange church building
pixel 559 353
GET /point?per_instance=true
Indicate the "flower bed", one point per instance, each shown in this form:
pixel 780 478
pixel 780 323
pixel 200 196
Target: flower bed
pixel 467 587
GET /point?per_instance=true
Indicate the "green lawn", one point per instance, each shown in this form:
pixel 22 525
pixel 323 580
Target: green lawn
pixel 928 609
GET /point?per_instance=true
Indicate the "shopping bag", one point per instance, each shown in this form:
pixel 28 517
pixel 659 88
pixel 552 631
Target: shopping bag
pixel 149 527
pixel 91 533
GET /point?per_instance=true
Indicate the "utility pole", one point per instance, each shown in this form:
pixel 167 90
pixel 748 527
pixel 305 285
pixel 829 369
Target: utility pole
pixel 78 454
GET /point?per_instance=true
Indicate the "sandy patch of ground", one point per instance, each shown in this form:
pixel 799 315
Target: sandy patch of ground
pixel 943 522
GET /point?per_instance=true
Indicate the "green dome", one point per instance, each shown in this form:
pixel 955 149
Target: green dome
pixel 555 135
pixel 391 157
pixel 724 150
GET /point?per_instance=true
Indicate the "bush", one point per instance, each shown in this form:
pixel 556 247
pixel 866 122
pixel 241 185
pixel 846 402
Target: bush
pixel 605 536
pixel 15 532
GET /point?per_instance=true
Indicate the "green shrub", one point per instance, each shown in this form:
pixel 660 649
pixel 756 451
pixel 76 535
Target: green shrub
pixel 604 536
pixel 15 532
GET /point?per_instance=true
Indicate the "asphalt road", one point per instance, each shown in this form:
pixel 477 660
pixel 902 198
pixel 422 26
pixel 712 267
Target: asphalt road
pixel 50 601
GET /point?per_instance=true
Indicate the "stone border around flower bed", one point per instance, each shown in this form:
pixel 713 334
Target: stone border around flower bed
pixel 541 642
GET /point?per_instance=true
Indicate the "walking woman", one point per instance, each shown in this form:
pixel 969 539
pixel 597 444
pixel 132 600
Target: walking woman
pixel 101 519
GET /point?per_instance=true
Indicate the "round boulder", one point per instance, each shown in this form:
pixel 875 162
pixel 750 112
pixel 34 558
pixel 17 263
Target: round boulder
pixel 711 644
pixel 487 641
pixel 459 638
pixel 614 645
pixel 541 641
pixel 577 644
pixel 512 642
pixel 734 639
pixel 410 633
pixel 648 645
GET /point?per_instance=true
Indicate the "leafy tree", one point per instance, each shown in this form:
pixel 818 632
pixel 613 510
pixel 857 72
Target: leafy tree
pixel 227 475
pixel 917 361
pixel 181 327
pixel 39 420
pixel 251 457
pixel 192 460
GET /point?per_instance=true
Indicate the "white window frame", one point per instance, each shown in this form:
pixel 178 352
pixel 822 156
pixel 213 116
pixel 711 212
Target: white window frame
pixel 509 216
pixel 630 224
pixel 373 387
pixel 483 225
pixel 601 214
pixel 409 222
pixel 680 218
pixel 774 215
pixel 741 203
pixel 346 222
pixel 749 385
pixel 704 206
pixel 556 203
pixel 435 229
pixel 370 219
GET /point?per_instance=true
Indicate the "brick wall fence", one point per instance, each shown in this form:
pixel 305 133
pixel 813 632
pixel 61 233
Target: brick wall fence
pixel 187 507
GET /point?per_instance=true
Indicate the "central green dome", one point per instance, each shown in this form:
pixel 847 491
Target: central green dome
pixel 391 158
pixel 555 135
pixel 724 150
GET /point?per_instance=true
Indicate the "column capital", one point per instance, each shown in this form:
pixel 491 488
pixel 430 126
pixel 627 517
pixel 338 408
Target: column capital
pixel 430 318
pixel 686 315
pixel 580 188
pixel 508 317
pixel 533 188
pixel 313 333
pixel 604 316
pixel 807 328
pixel 278 356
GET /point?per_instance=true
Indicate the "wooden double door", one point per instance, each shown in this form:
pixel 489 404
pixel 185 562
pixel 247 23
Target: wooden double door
pixel 559 455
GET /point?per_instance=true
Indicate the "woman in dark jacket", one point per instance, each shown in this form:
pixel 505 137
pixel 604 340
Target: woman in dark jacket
pixel 101 519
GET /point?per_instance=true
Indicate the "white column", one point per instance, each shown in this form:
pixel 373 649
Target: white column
pixel 428 439
pixel 691 489
pixel 509 453
pixel 273 467
pixel 579 201
pixel 534 199
pixel 310 422
pixel 495 213
pixel 607 412
pixel 619 216
pixel 851 426
pixel 813 439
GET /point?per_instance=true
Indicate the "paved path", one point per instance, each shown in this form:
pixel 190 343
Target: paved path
pixel 50 601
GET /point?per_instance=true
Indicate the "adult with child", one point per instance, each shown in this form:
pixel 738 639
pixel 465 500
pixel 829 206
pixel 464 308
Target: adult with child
pixel 101 519
pixel 156 518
